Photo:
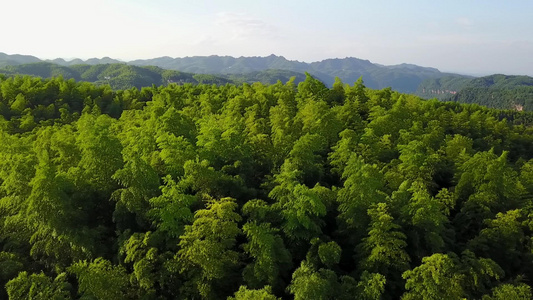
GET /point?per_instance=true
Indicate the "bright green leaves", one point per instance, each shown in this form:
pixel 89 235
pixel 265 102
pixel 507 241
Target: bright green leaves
pixel 384 247
pixel 363 186
pixel 222 142
pixel 246 294
pixel 329 253
pixel 175 151
pixel 437 278
pixel 38 287
pixel 54 219
pixel 202 178
pixel 307 283
pixel 526 177
pixel 63 149
pixel 480 273
pixel 20 104
pixel 503 240
pixel 284 131
pixel 271 260
pixel 140 182
pixel 101 151
pixel 207 254
pixel 17 164
pixel 371 286
pixel 418 162
pixel 302 209
pixel 487 185
pixel 306 156
pixel 336 94
pixel 509 291
pixel 310 283
pixel 489 182
pixel 17 169
pixel 312 88
pixel 48 203
pixel 343 150
pixel 172 209
pixel 429 215
pixel 382 254
pixel 101 279
pixel 445 276
pixel 317 118
pixel 153 269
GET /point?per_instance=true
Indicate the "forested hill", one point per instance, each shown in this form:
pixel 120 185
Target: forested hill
pixel 442 88
pixel 497 91
pixel 117 75
pixel 281 191
pixel 123 76
pixel 403 77
pixel 501 91
pixel 16 59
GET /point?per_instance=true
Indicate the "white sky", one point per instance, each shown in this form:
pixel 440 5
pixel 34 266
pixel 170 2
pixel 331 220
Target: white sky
pixel 475 37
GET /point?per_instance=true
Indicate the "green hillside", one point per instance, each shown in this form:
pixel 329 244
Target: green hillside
pixel 498 91
pixel 442 88
pixel 118 76
pixel 269 76
pixel 16 59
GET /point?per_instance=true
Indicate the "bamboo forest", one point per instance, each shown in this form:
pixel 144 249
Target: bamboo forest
pixel 260 191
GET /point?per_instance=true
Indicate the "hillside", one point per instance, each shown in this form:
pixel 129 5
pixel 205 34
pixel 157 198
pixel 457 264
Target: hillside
pixel 496 91
pixel 123 76
pixel 269 76
pixel 117 75
pixel 16 59
pixel 442 88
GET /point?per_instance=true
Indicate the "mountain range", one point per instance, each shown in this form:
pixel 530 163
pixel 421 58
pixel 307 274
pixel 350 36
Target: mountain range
pixel 403 77
pixel 498 91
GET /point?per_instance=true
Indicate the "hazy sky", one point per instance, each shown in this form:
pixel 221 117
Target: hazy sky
pixel 475 37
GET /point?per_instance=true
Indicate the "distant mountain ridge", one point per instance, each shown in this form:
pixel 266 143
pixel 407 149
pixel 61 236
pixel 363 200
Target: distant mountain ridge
pixel 16 59
pixel 497 91
pixel 403 77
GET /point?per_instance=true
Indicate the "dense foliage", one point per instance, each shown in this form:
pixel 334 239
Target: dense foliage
pixel 260 192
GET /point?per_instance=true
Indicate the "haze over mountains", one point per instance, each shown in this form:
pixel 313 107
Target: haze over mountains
pixel 512 92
